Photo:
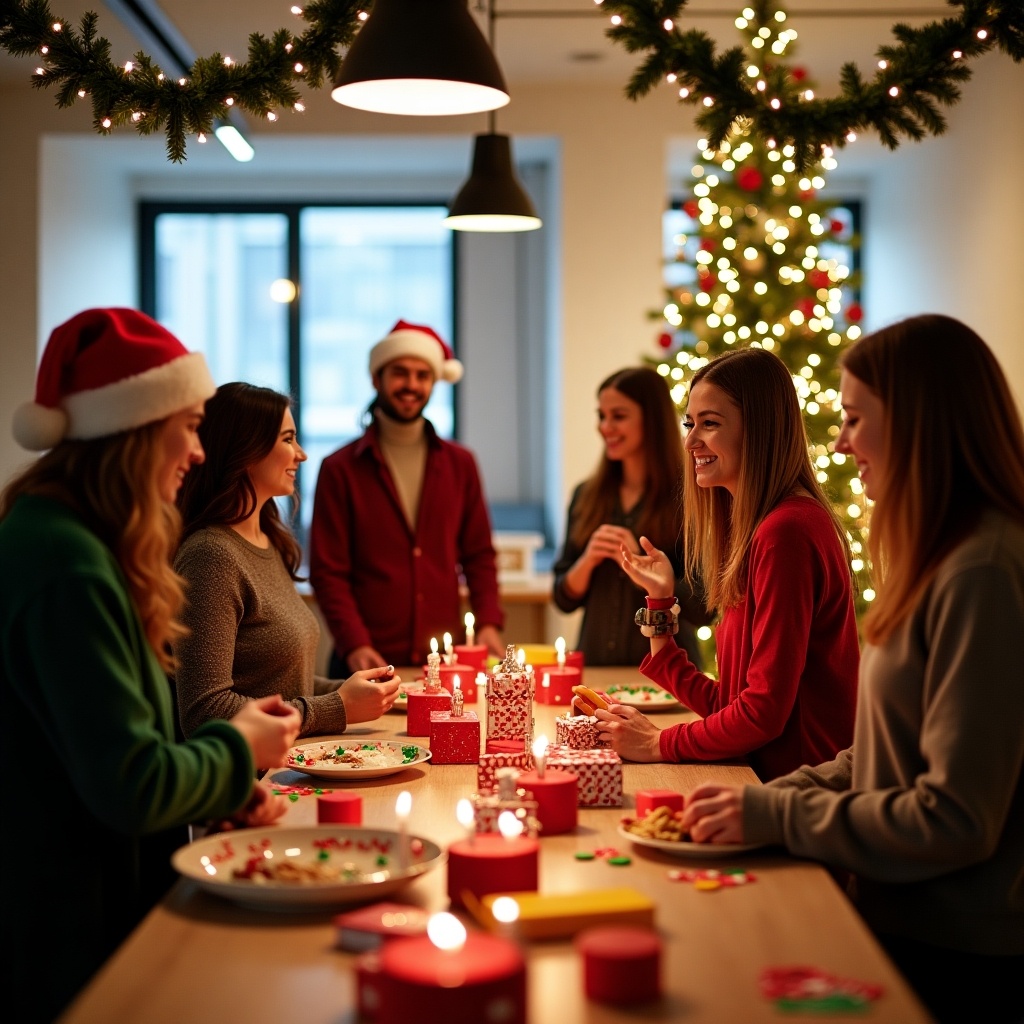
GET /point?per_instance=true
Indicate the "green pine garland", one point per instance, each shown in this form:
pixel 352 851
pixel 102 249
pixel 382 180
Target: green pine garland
pixel 78 64
pixel 922 69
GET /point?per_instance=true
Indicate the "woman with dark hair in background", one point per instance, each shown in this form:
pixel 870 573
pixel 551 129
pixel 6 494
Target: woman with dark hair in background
pixel 251 631
pixel 765 540
pixel 926 809
pixel 634 490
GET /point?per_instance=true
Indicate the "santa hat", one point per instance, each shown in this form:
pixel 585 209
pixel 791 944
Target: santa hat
pixel 105 371
pixel 420 342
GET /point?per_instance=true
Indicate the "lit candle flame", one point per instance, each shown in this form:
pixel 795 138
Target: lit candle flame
pixel 465 813
pixel 521 657
pixel 540 750
pixel 470 633
pixel 509 825
pixel 446 932
pixel 560 651
pixel 433 645
pixel 505 910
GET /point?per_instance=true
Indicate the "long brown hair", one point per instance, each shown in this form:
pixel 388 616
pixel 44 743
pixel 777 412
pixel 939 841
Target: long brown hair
pixel 774 461
pixel 955 446
pixel 241 427
pixel 663 449
pixel 111 483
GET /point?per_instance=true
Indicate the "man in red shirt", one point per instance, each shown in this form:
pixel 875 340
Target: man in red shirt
pixel 398 517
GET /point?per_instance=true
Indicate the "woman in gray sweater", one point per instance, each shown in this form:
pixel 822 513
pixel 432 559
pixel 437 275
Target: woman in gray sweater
pixel 926 809
pixel 250 632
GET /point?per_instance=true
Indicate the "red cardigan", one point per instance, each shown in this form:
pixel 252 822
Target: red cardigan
pixel 376 581
pixel 788 656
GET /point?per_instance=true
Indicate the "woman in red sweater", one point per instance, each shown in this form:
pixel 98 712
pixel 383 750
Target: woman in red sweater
pixel 774 557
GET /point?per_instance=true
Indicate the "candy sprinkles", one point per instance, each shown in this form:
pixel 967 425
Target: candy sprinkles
pixel 331 863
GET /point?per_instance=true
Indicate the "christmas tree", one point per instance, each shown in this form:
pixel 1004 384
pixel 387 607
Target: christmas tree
pixel 760 259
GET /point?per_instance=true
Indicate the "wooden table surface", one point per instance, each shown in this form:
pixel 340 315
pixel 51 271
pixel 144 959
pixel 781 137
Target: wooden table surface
pixel 197 959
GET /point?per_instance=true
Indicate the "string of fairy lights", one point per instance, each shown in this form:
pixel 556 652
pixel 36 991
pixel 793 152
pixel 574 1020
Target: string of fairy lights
pixel 915 75
pixel 761 265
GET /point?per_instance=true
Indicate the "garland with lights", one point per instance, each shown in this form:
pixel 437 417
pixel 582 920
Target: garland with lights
pixel 761 259
pixel 911 80
pixel 139 94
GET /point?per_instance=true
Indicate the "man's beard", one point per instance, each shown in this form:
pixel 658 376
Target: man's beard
pixel 385 405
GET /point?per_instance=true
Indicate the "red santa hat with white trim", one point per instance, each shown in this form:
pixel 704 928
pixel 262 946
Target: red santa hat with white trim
pixel 105 371
pixel 405 339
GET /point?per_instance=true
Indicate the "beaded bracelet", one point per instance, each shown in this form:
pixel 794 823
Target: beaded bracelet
pixel 658 621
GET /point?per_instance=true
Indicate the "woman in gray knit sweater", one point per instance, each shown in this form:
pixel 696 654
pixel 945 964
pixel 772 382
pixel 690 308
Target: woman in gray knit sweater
pixel 926 809
pixel 250 632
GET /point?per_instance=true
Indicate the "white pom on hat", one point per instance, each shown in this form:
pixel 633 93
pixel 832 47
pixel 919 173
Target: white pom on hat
pixel 405 339
pixel 105 371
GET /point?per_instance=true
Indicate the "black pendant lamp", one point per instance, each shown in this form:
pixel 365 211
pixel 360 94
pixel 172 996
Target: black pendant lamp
pixel 420 57
pixel 492 199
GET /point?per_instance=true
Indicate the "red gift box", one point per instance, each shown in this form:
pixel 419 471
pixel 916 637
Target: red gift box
pixel 420 706
pixel 599 772
pixel 648 800
pixel 454 739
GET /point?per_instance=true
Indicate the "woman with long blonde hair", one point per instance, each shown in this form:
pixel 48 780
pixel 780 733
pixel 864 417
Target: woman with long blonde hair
pixel 774 559
pixel 926 809
pixel 88 606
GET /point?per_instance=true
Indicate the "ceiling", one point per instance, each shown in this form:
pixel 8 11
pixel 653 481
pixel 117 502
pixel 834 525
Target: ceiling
pixel 535 40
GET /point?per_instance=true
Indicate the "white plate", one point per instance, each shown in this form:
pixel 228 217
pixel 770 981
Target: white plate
pixel 341 772
pixel 643 696
pixel 684 849
pixel 212 861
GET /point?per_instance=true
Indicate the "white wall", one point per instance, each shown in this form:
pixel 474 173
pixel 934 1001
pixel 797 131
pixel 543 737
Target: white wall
pixel 944 222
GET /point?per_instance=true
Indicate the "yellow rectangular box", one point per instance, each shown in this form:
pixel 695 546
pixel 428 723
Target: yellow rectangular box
pixel 561 915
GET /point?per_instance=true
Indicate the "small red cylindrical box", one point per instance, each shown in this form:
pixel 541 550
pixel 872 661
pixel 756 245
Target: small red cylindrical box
pixel 554 684
pixel 485 980
pixel 489 862
pixel 621 964
pixel 339 806
pixel 649 799
pixel 557 796
pixel 474 655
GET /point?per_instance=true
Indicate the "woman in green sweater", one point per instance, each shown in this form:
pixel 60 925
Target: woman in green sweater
pixel 926 809
pixel 250 632
pixel 87 615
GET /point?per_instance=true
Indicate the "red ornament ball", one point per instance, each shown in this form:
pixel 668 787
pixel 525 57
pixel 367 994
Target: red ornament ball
pixel 750 179
pixel 807 196
pixel 690 208
pixel 708 244
pixel 806 306
pixel 819 279
pixel 665 339
pixel 707 282
pixel 798 74
pixel 854 312
pixel 837 227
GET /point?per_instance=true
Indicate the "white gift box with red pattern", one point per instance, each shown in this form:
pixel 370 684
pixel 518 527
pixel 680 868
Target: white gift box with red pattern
pixel 486 779
pixel 509 715
pixel 576 731
pixel 599 772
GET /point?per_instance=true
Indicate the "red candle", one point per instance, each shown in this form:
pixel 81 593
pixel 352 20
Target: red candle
pixel 555 683
pixel 489 862
pixel 484 979
pixel 339 805
pixel 621 964
pixel 557 796
pixel 474 655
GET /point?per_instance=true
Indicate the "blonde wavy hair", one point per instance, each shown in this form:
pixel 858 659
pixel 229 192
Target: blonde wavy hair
pixel 955 447
pixel 775 461
pixel 112 484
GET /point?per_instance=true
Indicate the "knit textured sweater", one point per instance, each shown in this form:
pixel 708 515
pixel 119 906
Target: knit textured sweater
pixel 787 655
pixel 86 714
pixel 251 635
pixel 927 807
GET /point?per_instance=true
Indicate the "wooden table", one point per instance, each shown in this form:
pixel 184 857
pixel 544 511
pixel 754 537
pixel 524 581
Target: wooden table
pixel 198 959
